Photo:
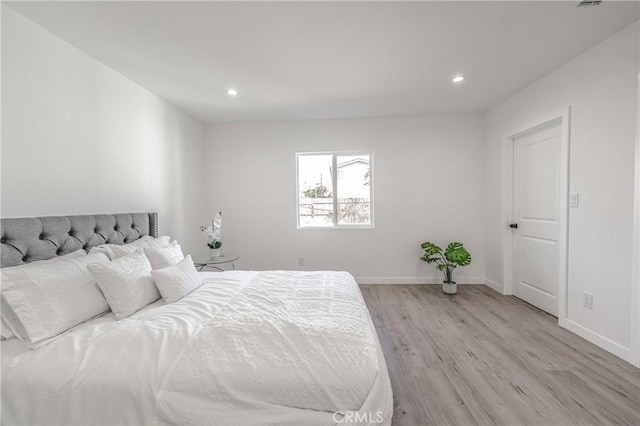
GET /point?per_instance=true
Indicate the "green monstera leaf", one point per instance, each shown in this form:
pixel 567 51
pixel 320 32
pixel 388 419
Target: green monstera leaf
pixel 431 252
pixel 456 253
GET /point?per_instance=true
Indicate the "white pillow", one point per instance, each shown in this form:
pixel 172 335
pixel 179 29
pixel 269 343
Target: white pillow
pixel 48 298
pixel 5 331
pixel 148 241
pixel 176 281
pixel 115 251
pixel 8 272
pixel 161 257
pixel 126 283
pixel 14 273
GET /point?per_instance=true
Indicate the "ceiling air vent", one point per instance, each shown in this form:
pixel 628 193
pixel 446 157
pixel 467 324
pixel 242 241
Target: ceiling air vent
pixel 585 3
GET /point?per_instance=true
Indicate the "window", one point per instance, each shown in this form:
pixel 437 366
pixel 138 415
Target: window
pixel 335 190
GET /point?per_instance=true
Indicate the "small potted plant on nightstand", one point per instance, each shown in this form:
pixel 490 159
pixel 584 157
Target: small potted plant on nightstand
pixel 453 256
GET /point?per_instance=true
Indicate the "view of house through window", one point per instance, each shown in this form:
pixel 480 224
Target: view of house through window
pixel 334 190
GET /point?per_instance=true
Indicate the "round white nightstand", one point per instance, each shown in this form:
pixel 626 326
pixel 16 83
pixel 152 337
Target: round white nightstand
pixel 207 261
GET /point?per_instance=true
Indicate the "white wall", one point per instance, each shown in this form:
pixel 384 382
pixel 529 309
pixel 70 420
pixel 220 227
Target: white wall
pixel 428 185
pixel 601 88
pixel 79 138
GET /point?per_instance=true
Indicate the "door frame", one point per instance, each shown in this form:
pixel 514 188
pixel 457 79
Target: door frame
pixel 563 119
pixel 634 344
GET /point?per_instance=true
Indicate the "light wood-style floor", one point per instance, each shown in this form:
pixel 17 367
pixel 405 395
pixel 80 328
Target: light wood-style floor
pixel 482 358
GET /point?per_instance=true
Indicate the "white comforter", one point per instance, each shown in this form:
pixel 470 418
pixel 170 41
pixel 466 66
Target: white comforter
pixel 245 348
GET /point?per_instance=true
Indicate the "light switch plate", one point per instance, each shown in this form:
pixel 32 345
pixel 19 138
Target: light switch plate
pixel 574 199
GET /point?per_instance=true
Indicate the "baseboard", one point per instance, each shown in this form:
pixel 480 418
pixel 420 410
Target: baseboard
pixel 412 280
pixel 599 340
pixel 492 284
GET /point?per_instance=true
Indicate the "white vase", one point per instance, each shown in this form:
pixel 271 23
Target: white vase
pixel 450 288
pixel 215 252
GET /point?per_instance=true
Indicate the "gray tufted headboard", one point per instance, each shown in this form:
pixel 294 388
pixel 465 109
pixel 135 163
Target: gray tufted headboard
pixel 38 238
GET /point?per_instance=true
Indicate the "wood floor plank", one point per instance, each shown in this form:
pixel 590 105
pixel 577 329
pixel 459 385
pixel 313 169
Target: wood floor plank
pixel 486 405
pixel 482 358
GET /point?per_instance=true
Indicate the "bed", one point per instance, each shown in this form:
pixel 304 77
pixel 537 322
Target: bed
pixel 271 347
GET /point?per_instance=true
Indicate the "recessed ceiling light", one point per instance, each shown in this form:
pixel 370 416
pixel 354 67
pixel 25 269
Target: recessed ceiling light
pixel 232 92
pixel 458 78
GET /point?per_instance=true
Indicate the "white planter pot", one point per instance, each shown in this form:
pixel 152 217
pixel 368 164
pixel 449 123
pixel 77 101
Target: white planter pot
pixel 450 288
pixel 215 252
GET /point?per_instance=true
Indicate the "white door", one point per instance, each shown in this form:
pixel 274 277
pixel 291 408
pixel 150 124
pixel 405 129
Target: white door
pixel 536 213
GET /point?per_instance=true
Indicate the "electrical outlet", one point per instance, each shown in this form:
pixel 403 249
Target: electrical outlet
pixel 301 261
pixel 574 199
pixel 587 300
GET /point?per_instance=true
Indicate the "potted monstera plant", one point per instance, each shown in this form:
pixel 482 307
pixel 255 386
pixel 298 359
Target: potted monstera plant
pixel 453 256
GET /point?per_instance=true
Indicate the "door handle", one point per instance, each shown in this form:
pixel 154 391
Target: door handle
pixel 513 226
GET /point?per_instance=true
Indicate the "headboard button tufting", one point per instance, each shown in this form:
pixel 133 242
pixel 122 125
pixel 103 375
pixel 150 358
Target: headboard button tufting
pixel 32 239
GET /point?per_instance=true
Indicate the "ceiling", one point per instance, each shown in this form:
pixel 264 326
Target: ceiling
pixel 318 60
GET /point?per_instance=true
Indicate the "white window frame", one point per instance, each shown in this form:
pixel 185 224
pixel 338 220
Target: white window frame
pixel 334 181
